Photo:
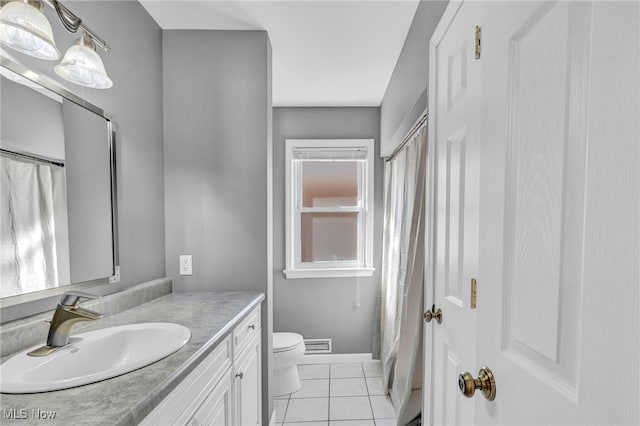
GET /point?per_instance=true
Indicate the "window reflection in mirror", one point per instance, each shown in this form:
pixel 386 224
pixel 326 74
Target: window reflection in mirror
pixel 56 223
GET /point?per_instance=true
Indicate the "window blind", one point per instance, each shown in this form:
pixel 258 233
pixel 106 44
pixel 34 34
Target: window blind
pixel 330 154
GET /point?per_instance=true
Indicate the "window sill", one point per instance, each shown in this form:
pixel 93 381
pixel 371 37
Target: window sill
pixel 329 273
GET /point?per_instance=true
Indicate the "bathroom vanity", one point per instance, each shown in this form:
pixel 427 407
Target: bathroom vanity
pixel 225 388
pixel 214 379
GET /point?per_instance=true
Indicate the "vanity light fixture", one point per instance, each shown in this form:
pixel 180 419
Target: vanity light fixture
pixel 82 65
pixel 25 28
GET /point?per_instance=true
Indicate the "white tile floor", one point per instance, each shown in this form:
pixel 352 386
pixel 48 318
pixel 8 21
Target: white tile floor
pixel 347 394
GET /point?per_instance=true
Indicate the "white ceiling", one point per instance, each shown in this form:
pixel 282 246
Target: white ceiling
pixel 325 52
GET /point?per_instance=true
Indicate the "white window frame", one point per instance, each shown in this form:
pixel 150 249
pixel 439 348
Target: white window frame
pixel 363 266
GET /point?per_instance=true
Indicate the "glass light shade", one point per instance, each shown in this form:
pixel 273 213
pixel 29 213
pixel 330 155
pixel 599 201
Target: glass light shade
pixel 25 29
pixel 82 65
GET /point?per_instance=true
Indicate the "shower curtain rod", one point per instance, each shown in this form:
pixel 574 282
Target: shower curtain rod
pixel 31 157
pixel 421 121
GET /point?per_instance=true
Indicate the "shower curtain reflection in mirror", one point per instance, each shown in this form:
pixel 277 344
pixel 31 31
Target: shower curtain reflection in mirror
pixel 33 226
pixel 402 276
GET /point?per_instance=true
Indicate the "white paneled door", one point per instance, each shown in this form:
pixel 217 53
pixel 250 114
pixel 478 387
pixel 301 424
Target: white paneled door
pixel 558 254
pixel 453 252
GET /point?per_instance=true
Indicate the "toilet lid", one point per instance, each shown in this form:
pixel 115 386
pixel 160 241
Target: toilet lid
pixel 285 341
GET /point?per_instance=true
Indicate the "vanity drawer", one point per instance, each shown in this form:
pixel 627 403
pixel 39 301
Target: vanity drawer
pixel 179 406
pixel 244 332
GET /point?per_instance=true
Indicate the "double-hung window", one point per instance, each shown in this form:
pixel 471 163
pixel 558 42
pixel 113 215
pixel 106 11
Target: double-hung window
pixel 329 208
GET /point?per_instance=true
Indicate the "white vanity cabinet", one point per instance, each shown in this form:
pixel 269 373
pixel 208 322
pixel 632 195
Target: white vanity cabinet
pixel 217 408
pixel 224 389
pixel 247 386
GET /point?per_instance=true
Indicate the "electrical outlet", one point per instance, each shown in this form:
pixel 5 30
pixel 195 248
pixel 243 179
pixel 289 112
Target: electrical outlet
pixel 186 265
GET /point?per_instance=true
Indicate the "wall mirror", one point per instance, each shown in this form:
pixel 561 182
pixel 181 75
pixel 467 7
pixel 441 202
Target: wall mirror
pixel 58 215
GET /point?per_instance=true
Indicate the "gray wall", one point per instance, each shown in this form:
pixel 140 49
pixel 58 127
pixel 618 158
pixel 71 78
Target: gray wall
pixel 319 308
pixel 135 66
pixel 217 102
pixel 19 105
pixel 88 178
pixel 406 96
pixel 215 122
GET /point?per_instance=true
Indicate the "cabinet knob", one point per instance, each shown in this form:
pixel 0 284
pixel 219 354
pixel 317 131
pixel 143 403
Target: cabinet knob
pixel 252 327
pixel 240 375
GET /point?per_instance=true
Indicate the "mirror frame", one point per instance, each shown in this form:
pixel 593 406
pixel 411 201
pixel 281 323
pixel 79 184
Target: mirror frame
pixel 55 87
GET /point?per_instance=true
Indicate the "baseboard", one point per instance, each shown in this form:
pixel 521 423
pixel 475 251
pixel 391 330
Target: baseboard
pixel 335 358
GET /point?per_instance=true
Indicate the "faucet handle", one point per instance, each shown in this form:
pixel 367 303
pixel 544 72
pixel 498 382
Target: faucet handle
pixel 71 298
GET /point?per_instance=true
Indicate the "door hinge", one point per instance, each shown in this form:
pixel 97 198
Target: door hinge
pixel 474 293
pixel 478 36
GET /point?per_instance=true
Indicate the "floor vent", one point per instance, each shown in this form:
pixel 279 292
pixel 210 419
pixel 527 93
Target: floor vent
pixel 317 346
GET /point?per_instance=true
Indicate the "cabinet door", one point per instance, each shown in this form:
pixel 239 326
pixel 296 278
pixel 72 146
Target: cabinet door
pixel 217 407
pixel 248 384
pixel 180 405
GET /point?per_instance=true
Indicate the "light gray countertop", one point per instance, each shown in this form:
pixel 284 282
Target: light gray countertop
pixel 127 399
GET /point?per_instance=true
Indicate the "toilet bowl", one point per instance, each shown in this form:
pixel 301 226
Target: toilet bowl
pixel 288 350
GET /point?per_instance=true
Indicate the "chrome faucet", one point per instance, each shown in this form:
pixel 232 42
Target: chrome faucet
pixel 68 312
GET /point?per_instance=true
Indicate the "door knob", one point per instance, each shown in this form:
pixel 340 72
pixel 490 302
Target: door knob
pixel 430 314
pixel 485 382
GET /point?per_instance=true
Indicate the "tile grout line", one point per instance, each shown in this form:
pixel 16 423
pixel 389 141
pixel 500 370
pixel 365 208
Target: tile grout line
pixel 366 384
pixel 329 398
pixel 330 379
pixel 373 416
pixel 286 408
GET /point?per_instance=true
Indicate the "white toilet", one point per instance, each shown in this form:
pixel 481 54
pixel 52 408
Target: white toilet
pixel 288 350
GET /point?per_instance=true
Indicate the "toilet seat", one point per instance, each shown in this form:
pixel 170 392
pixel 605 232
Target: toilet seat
pixel 283 342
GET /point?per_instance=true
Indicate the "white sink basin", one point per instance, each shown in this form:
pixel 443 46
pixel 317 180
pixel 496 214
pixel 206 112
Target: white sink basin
pixel 100 355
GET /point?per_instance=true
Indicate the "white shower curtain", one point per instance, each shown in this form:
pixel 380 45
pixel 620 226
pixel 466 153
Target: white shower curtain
pixel 33 204
pixel 402 276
